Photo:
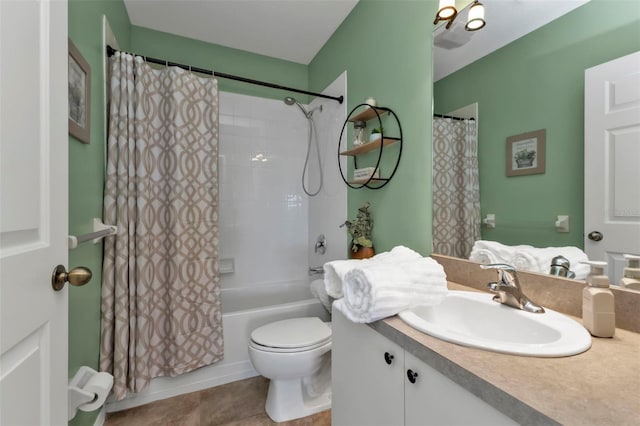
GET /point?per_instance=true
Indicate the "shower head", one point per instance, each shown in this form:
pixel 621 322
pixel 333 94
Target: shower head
pixel 290 101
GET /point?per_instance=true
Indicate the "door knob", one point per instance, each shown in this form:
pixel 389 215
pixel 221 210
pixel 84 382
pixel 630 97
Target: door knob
pixel 595 236
pixel 388 358
pixel 77 276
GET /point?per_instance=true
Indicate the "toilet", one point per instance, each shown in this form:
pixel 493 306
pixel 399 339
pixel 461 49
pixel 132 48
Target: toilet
pixel 295 354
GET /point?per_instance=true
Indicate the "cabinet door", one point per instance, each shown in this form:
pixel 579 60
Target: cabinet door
pixel 436 400
pixel 366 389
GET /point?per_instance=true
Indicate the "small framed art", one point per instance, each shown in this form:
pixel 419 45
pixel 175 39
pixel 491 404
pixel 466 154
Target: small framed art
pixel 526 153
pixel 79 95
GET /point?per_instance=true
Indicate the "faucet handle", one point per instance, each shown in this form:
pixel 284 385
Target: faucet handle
pixel 506 273
pixel 499 266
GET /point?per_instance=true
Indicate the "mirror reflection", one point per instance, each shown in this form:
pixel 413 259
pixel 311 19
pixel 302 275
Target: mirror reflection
pixel 536 82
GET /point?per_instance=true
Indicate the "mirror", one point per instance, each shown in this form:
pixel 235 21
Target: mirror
pixel 533 83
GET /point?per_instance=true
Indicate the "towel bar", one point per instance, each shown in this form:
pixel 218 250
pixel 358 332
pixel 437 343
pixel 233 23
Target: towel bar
pixel 100 230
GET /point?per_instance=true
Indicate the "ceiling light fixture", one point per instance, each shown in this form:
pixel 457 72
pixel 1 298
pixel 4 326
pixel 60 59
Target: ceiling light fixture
pixel 447 12
pixel 475 20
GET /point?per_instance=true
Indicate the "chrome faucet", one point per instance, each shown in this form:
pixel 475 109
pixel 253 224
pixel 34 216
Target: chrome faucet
pixel 508 291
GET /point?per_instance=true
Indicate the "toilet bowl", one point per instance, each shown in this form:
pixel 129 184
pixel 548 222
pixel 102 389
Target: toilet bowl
pixel 295 354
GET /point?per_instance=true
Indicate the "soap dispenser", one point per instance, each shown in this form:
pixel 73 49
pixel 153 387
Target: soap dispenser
pixel 598 314
pixel 631 277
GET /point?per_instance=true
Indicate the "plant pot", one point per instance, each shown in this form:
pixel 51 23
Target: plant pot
pixel 524 163
pixel 375 136
pixel 362 253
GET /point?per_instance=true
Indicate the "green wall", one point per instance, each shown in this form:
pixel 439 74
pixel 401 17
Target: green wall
pixel 197 53
pixel 86 161
pixel 86 171
pixel 385 47
pixel 537 82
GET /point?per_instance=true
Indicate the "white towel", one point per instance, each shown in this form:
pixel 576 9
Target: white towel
pixel 529 258
pixel 379 290
pixel 335 271
pixel 317 289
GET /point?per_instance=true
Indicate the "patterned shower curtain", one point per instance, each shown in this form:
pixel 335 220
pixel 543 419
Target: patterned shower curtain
pixel 161 311
pixel 456 188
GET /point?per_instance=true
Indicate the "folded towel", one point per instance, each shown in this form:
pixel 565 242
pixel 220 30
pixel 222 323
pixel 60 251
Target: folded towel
pixel 529 258
pixel 318 290
pixel 378 290
pixel 335 271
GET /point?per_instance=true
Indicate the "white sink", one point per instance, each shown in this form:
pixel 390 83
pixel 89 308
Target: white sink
pixel 473 319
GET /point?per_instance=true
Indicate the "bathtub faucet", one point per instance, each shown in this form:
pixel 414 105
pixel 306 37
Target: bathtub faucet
pixel 321 244
pixel 314 270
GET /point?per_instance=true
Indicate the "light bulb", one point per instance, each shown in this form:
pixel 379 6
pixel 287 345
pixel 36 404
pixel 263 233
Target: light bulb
pixel 476 17
pixel 446 10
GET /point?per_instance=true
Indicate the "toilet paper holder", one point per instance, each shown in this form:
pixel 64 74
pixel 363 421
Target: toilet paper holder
pixel 88 390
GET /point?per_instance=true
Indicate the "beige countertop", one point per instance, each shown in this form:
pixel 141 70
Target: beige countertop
pixel 598 387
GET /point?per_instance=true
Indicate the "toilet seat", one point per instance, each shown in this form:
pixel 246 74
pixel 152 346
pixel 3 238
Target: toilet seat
pixel 291 335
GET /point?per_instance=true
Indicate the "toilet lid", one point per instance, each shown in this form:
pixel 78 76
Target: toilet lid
pixel 292 333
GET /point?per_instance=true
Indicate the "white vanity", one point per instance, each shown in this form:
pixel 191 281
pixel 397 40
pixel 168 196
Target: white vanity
pixel 467 386
pixel 377 382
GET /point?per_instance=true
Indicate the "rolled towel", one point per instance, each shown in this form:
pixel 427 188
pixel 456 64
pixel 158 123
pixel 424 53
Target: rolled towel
pixel 529 258
pixel 333 274
pixel 483 256
pixel 376 291
pixel 484 251
pixel 524 260
pixel 335 271
pixel 318 290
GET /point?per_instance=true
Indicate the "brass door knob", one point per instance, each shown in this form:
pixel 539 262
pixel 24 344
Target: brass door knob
pixel 595 236
pixel 77 276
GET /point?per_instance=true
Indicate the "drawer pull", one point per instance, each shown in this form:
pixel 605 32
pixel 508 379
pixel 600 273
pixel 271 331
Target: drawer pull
pixel 388 358
pixel 411 375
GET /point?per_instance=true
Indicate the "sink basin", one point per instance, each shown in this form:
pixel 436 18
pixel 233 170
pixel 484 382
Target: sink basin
pixel 473 319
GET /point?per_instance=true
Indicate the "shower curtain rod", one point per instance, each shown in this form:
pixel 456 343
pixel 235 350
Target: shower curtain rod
pixel 452 117
pixel 339 99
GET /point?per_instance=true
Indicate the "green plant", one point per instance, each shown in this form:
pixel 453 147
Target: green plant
pixel 360 229
pixel 377 130
pixel 525 154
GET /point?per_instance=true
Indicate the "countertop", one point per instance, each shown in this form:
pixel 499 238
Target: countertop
pixel 598 387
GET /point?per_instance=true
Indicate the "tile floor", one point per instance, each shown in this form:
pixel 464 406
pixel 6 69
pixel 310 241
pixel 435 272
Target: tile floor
pixel 234 404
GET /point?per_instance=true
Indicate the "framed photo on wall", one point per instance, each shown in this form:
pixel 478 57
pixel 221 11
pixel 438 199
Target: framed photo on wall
pixel 526 153
pixel 79 95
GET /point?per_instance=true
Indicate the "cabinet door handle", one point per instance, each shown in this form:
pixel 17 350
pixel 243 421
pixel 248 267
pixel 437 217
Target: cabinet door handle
pixel 388 358
pixel 411 375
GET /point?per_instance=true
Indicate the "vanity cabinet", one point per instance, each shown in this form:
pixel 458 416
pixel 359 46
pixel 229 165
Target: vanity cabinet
pixel 377 382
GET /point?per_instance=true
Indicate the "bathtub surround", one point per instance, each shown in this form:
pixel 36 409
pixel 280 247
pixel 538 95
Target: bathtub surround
pixel 161 312
pixel 263 210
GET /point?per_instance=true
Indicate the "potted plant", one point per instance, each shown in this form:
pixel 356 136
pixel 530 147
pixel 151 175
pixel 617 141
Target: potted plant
pixel 524 158
pixel 360 231
pixel 376 133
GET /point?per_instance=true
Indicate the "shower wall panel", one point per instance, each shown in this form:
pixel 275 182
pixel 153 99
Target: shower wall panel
pixel 263 213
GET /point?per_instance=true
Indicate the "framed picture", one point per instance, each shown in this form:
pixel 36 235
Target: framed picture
pixel 79 95
pixel 526 153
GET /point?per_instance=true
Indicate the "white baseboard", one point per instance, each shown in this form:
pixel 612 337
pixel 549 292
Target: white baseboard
pixel 167 387
pixel 102 416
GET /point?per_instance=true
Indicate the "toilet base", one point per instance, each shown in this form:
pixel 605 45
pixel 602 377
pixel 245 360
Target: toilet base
pixel 286 401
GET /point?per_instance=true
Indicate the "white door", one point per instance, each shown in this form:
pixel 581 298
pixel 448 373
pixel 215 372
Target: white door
pixel 33 211
pixel 612 162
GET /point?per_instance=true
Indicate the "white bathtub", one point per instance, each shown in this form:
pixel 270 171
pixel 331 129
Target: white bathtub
pixel 244 309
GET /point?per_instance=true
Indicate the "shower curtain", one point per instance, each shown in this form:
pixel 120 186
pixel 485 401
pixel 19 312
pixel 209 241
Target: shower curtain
pixel 456 189
pixel 160 306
